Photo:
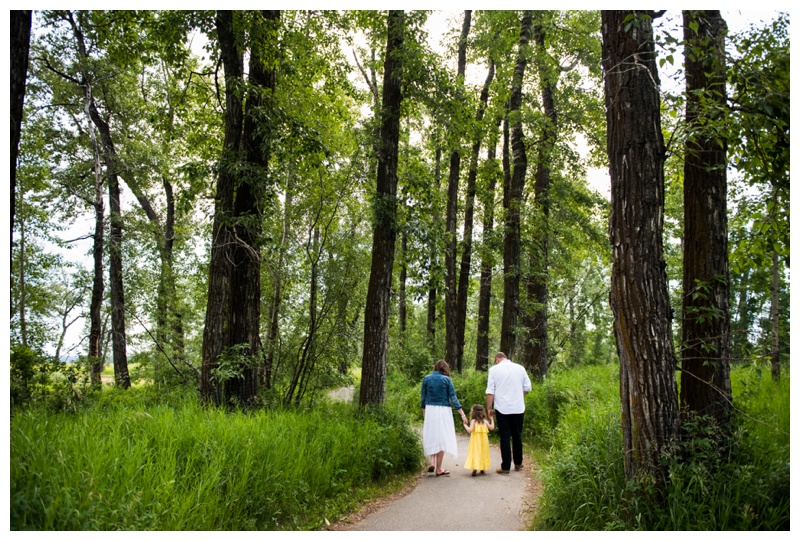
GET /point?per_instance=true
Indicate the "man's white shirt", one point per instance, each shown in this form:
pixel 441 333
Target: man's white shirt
pixel 507 382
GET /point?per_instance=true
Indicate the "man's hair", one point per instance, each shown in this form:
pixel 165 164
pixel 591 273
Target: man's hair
pixel 500 355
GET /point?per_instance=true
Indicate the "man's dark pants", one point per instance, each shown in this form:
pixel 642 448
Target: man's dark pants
pixel 510 427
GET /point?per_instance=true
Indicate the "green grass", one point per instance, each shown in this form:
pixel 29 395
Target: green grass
pixel 746 487
pixel 136 463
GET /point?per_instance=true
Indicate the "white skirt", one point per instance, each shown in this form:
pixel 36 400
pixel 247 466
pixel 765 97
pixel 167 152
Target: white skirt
pixel 439 431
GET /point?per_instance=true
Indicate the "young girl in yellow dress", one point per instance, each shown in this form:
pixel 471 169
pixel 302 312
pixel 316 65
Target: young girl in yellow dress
pixel 478 453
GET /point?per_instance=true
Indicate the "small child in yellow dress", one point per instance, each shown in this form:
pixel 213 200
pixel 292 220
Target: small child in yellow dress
pixel 478 453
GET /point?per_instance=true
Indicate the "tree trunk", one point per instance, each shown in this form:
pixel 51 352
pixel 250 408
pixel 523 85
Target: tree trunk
pixel 774 316
pixel 277 296
pixel 535 350
pixel 20 30
pixel 433 275
pixel 98 286
pixel 638 298
pixel 453 350
pixel 116 290
pixel 469 210
pixel 216 329
pixel 511 252
pixel 115 283
pixel 401 298
pixel 376 316
pixel 485 294
pixel 705 359
pixel 248 205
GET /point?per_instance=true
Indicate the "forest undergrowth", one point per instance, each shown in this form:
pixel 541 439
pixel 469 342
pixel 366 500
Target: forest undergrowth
pixel 572 428
pixel 144 460
pixel 135 460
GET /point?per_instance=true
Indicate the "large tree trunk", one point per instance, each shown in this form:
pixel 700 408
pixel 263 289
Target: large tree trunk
pixel 453 349
pixel 20 30
pixel 248 207
pixel 485 293
pixel 233 314
pixel 511 252
pixel 705 359
pixel 376 316
pixel 469 210
pixel 535 350
pixel 216 329
pixel 638 298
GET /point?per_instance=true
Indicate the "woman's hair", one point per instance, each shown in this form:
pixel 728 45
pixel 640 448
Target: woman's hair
pixel 478 413
pixel 442 367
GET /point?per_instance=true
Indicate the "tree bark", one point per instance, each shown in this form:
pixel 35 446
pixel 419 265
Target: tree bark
pixel 485 293
pixel 20 30
pixel 116 288
pixel 115 283
pixel 434 255
pixel 638 297
pixel 376 316
pixel 705 356
pixel 453 350
pixel 98 246
pixel 248 208
pixel 511 251
pixel 109 155
pixel 469 210
pixel 535 349
pixel 401 298
pixel 216 329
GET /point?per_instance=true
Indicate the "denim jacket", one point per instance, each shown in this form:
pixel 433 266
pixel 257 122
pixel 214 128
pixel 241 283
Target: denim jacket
pixel 438 390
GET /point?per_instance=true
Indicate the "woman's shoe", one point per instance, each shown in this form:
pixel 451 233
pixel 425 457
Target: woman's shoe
pixel 443 472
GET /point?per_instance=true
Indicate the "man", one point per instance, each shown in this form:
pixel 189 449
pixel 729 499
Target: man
pixel 505 390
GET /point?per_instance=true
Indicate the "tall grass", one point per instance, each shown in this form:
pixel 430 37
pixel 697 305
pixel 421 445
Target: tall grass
pixel 131 464
pixel 743 487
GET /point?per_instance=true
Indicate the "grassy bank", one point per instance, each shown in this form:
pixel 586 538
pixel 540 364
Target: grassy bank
pixel 572 426
pixel 743 487
pixel 133 462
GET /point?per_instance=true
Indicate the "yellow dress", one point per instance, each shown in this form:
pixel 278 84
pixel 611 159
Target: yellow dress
pixel 478 452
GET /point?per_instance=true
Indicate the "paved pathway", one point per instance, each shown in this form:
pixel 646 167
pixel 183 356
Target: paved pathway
pixel 458 502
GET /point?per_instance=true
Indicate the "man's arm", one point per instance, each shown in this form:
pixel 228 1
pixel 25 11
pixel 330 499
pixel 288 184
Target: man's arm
pixel 489 403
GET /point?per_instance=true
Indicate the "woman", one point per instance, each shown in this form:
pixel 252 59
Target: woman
pixel 438 432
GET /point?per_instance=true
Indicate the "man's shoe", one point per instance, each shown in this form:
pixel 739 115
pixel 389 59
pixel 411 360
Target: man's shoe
pixel 518 467
pixel 501 470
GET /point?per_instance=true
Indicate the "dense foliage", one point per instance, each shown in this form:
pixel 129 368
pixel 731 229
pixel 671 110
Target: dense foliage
pixel 143 95
pixel 163 462
pixel 744 486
